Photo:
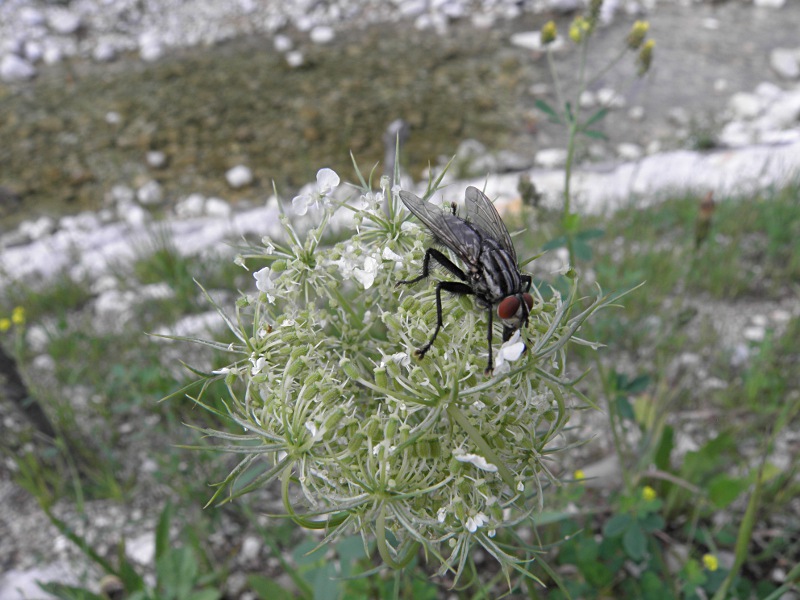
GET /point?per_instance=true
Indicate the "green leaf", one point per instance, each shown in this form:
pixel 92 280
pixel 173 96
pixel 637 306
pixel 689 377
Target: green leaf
pixel 600 114
pixel 162 531
pixel 267 589
pixel 664 449
pixel 582 251
pixel 571 222
pixel 558 242
pixel 67 592
pixel 617 525
pixel 548 110
pixel 204 594
pixel 723 489
pixel 590 234
pixel 177 572
pixel 325 585
pixel 635 542
pixel 594 134
pixel 624 408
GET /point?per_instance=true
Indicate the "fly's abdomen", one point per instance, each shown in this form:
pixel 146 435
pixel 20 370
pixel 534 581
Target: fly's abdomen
pixel 500 272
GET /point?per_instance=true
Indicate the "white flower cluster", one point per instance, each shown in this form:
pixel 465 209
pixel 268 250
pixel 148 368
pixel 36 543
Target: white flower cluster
pixel 324 385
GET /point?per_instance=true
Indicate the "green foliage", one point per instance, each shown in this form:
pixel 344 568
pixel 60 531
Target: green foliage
pixel 178 575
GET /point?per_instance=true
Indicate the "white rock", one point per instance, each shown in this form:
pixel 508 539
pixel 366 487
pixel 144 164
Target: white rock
pixel 785 63
pixel 37 229
pixel 736 134
pixel 44 363
pixel 150 46
pixel 150 193
pixel 412 8
pixel 133 214
pixel 629 151
pixel 282 43
pixel 239 176
pixel 217 207
pixel 482 20
pixel 121 194
pixel 636 113
pixel 720 85
pixel 322 34
pixel 113 117
pixel 610 98
pixel 587 99
pixel 191 206
pixel 768 90
pixel 551 158
pixel 710 23
pixel 141 549
pixel 784 112
pixel 33 51
pixel 85 221
pixel 14 68
pixel 754 333
pixel 769 3
pixel 532 40
pixel 759 320
pixel 52 53
pixel 295 59
pixel 30 16
pixel 251 547
pixel 104 51
pixel 744 105
pixel 156 159
pixel 63 21
pixel 36 337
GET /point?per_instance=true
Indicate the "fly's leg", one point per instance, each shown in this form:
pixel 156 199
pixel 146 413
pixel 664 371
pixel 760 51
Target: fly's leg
pixel 442 260
pixel 454 287
pixel 488 371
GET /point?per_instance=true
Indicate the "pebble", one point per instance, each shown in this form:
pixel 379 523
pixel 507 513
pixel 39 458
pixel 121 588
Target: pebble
pixel 785 63
pixel 156 159
pixel 15 68
pixel 217 207
pixel 744 105
pixel 550 158
pixel 150 193
pixel 63 22
pixel 191 206
pixel 150 46
pixel 629 151
pixel 282 43
pixel 769 3
pixel 104 52
pixel 322 34
pixel 295 59
pixel 239 177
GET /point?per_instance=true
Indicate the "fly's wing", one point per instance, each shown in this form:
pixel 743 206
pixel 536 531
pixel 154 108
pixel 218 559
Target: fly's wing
pixel 447 228
pixel 484 216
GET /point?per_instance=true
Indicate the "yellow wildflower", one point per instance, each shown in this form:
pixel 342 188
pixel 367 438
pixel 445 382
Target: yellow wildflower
pixel 649 493
pixel 18 315
pixel 646 56
pixel 579 475
pixel 710 562
pixel 578 29
pixel 637 34
pixel 549 33
pixel 5 324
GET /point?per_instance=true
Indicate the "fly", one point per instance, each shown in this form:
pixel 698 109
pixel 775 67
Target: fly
pixel 483 245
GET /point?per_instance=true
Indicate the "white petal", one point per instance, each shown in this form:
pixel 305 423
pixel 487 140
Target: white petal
pixel 327 179
pixel 301 203
pixel 263 281
pixel 476 460
pixel 388 254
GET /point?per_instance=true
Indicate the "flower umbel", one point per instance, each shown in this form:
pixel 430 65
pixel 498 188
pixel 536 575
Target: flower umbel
pixel 322 383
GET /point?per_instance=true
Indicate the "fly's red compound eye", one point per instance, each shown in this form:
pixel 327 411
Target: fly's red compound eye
pixel 508 307
pixel 528 300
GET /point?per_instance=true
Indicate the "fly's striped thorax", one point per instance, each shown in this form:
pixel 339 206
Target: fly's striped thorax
pixel 499 271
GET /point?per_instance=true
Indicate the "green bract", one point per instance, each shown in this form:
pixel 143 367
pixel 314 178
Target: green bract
pixel 365 438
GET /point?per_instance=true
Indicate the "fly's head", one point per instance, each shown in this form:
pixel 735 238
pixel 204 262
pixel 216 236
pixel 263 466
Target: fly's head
pixel 514 310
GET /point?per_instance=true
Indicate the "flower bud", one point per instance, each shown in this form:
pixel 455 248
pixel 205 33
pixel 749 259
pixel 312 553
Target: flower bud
pixel 645 57
pixel 278 265
pixel 578 29
pixel 329 427
pixel 637 34
pixel 391 428
pixel 349 368
pixel 380 377
pixel 548 33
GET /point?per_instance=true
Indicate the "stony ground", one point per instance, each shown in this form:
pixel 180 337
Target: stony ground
pixel 717 81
